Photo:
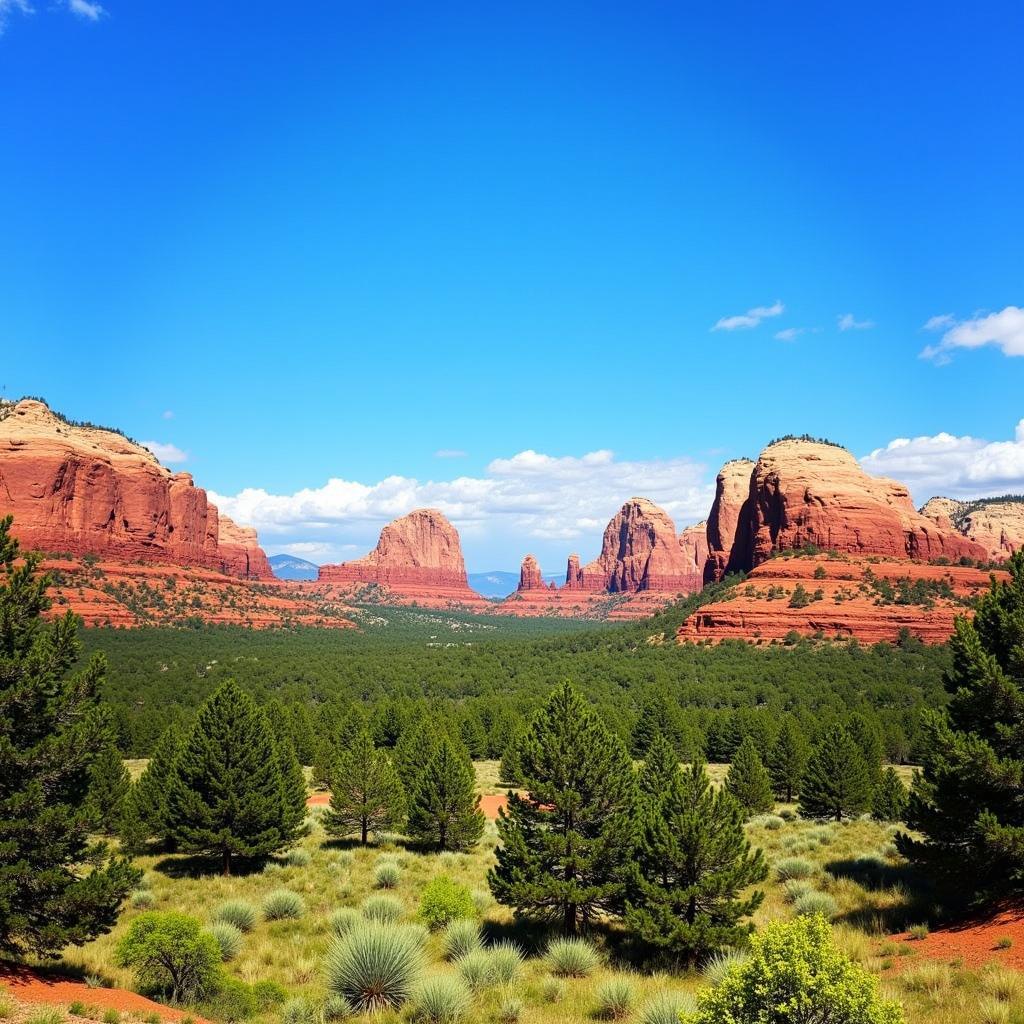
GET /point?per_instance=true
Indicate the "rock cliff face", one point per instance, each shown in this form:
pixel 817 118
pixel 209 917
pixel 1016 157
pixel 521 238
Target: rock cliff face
pixel 728 545
pixel 85 490
pixel 530 576
pixel 694 544
pixel 417 555
pixel 997 524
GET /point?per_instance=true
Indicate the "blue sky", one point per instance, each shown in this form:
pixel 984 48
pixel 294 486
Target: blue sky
pixel 328 241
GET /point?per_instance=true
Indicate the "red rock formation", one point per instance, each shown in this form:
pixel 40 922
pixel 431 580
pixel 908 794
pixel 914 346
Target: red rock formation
pixel 85 490
pixel 574 574
pixel 997 524
pixel 694 543
pixel 728 545
pixel 530 576
pixel 417 556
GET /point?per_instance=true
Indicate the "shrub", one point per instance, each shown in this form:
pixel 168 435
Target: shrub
pixel 614 999
pixel 506 962
pixel 282 904
pixel 172 954
pixel 510 1010
pixel 228 939
pixel 440 999
pixel 718 965
pixel 337 1007
pixel 239 913
pixel 771 822
pixel 143 899
pixel 475 969
pixel 1004 942
pixel 111 1016
pixel 571 958
pixel 667 1008
pixel 552 990
pixel 387 875
pixel 443 901
pixel 918 932
pixel 375 966
pixel 793 867
pixel 8 1007
pixel 76 1008
pixel 344 919
pixel 816 903
pixel 461 937
pixel 796 964
pixel 297 1011
pixel 298 857
pixel 383 909
pixel 267 994
pixel 482 900
pixel 797 887
pixel 49 1016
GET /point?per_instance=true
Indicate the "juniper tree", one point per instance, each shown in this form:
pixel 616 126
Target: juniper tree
pixel 444 808
pixel 837 782
pixel 56 886
pixel 787 759
pixel 109 785
pixel 565 844
pixel 144 811
pixel 660 767
pixel 966 800
pixel 690 865
pixel 748 781
pixel 889 802
pixel 366 793
pixel 225 795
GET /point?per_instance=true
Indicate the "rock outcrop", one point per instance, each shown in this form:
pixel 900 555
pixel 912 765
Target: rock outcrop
pixel 997 524
pixel 694 544
pixel 728 545
pixel 531 577
pixel 417 556
pixel 89 491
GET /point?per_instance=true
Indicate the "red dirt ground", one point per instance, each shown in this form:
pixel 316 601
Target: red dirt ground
pixel 30 986
pixel 488 804
pixel 974 941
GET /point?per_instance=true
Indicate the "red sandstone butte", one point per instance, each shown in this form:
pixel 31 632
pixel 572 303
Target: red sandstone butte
pixel 531 577
pixel 85 490
pixel 997 524
pixel 728 544
pixel 418 556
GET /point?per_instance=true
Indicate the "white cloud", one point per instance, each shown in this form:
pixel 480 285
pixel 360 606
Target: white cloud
pixel 751 318
pixel 169 454
pixel 86 9
pixel 848 322
pixel 1004 329
pixel 168 414
pixel 937 323
pixel 530 497
pixel 959 467
pixel 790 333
pixel 449 453
pixel 8 7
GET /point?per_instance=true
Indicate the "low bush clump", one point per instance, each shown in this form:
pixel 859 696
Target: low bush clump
pixel 143 899
pixel 771 822
pixel 375 966
pixel 344 919
pixel 444 901
pixel 718 965
pixel 387 875
pixel 297 1011
pixel 440 999
pixel 239 913
pixel 552 990
pixel 461 937
pixel 283 904
pixel 614 999
pixel 793 867
pixel 918 932
pixel 475 969
pixel 571 958
pixel 228 938
pixel 383 909
pixel 506 962
pixel 298 858
pixel 667 1008
pixel 510 1010
pixel 816 903
pixel 337 1007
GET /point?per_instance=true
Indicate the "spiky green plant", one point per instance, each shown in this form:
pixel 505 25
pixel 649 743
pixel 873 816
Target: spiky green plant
pixel 387 875
pixel 344 919
pixel 667 1008
pixel 506 962
pixel 298 857
pixel 462 936
pixel 383 909
pixel 812 903
pixel 440 999
pixel 240 913
pixel 283 904
pixel 614 999
pixel 336 1007
pixel 718 965
pixel 793 867
pixel 229 939
pixel 475 969
pixel 375 966
pixel 571 958
pixel 297 1011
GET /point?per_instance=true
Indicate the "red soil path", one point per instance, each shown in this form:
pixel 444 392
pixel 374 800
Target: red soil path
pixel 488 804
pixel 974 941
pixel 31 986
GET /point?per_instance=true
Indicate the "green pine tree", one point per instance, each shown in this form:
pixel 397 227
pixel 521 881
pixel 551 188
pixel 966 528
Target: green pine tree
pixel 866 734
pixel 225 795
pixel 748 780
pixel 966 800
pixel 143 813
pixel 109 785
pixel 837 782
pixel 890 800
pixel 366 793
pixel 565 845
pixel 787 760
pixel 691 864
pixel 293 791
pixel 660 767
pixel 510 771
pixel 56 887
pixel 413 751
pixel 444 808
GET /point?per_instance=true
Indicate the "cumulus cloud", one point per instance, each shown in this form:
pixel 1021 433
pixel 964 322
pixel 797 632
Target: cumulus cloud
pixel 848 322
pixel 958 467
pixel 169 454
pixel 1004 329
pixel 552 503
pixel 85 9
pixel 751 318
pixel 449 453
pixel 790 333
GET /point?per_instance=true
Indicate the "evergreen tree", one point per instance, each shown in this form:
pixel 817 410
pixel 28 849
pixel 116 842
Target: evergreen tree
pixel 293 791
pixel 655 720
pixel 366 793
pixel 865 733
pixel 472 733
pixel 143 814
pixel 564 845
pixel 748 781
pixel 890 800
pixel 691 863
pixel 967 798
pixel 225 795
pixel 109 785
pixel 56 887
pixel 837 782
pixel 444 809
pixel 660 767
pixel 510 771
pixel 787 760
pixel 413 751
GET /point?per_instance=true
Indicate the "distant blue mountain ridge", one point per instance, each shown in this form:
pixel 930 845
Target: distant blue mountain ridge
pixel 290 567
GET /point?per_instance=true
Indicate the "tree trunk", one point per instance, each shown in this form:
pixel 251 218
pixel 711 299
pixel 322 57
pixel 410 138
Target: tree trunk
pixel 227 862
pixel 365 832
pixel 569 923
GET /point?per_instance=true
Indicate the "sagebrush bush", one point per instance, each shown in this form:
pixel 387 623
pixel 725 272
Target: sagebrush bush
pixel 228 938
pixel 298 857
pixel 344 919
pixel 718 965
pixel 794 888
pixel 443 901
pixel 771 822
pixel 614 999
pixel 143 899
pixel 666 1008
pixel 375 966
pixel 510 1010
pixel 552 990
pixel 475 969
pixel 793 867
pixel 461 937
pixel 282 904
pixel 383 909
pixel 816 903
pixel 482 900
pixel 440 999
pixel 387 875
pixel 239 913
pixel 506 962
pixel 337 1007
pixel 571 958
pixel 297 1011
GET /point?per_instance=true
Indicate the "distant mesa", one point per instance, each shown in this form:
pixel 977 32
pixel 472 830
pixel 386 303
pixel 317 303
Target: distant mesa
pixel 997 524
pixel 292 568
pixel 88 490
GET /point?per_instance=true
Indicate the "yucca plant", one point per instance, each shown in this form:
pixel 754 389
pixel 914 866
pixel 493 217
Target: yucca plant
pixel 614 999
pixel 440 999
pixel 718 965
pixel 239 913
pixel 816 903
pixel 383 909
pixel 552 990
pixel 475 969
pixel 297 1011
pixel 667 1008
pixel 571 958
pixel 797 887
pixel 229 939
pixel 506 962
pixel 375 966
pixel 793 867
pixel 344 919
pixel 387 875
pixel 462 936
pixel 282 904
